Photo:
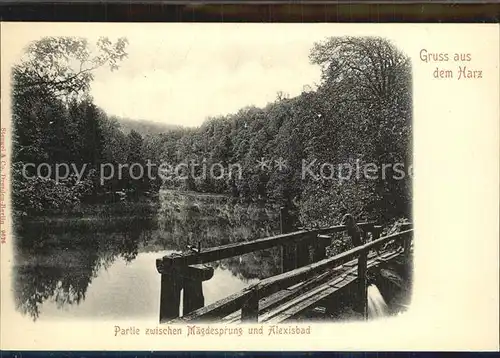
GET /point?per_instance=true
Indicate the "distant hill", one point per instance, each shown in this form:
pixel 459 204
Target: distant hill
pixel 144 127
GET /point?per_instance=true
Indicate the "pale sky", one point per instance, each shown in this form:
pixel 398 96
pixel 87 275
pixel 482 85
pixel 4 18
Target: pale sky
pixel 183 73
pixel 185 80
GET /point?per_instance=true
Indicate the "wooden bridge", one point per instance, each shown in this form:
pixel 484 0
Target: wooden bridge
pixel 308 277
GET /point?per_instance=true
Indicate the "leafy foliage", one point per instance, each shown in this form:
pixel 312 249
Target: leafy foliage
pixel 64 65
pixel 360 114
pixel 55 120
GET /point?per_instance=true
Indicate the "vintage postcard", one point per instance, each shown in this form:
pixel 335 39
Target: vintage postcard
pixel 249 186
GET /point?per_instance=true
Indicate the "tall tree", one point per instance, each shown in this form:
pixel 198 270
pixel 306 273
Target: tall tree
pixel 54 119
pixel 369 82
pixel 52 72
pixel 64 65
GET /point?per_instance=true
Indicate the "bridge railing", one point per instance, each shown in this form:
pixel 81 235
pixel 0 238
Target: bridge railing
pixel 248 299
pixel 217 253
pixel 183 271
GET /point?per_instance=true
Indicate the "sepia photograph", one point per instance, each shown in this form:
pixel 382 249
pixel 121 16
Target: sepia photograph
pixel 238 182
pixel 213 186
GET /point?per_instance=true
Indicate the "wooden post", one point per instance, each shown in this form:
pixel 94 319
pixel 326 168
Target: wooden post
pixel 288 252
pixel 406 247
pixel 283 215
pixel 319 252
pixel 322 242
pixel 173 279
pixel 250 309
pixel 362 289
pixel 193 276
pixel 365 237
pixel 193 296
pixel 376 231
pixel 170 297
pixel 303 254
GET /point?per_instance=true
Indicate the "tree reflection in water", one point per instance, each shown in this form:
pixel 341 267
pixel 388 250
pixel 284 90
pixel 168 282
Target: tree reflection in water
pixel 218 220
pixel 57 258
pixel 59 261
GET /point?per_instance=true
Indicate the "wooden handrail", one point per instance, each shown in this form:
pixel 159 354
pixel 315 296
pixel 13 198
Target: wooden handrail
pixel 273 284
pixel 270 285
pixel 219 309
pixel 240 248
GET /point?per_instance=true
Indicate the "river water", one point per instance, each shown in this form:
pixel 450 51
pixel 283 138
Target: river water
pixel 101 265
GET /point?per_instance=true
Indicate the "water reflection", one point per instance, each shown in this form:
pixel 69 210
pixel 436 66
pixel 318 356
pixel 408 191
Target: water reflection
pixel 103 265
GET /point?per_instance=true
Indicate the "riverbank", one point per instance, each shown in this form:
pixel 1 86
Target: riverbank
pixel 87 211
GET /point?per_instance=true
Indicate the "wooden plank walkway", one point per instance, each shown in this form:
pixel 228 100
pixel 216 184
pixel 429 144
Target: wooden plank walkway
pixel 293 301
pixel 308 275
pixel 284 296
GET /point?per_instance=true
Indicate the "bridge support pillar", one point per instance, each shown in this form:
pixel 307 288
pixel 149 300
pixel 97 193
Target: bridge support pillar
pixel 406 247
pixel 173 280
pixel 407 257
pixel 288 252
pixel 322 242
pixel 303 254
pixel 362 288
pixel 193 296
pixel 288 257
pixel 170 297
pixel 250 309
pixel 376 232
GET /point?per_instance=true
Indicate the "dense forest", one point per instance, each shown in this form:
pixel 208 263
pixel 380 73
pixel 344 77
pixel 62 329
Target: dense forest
pixel 360 113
